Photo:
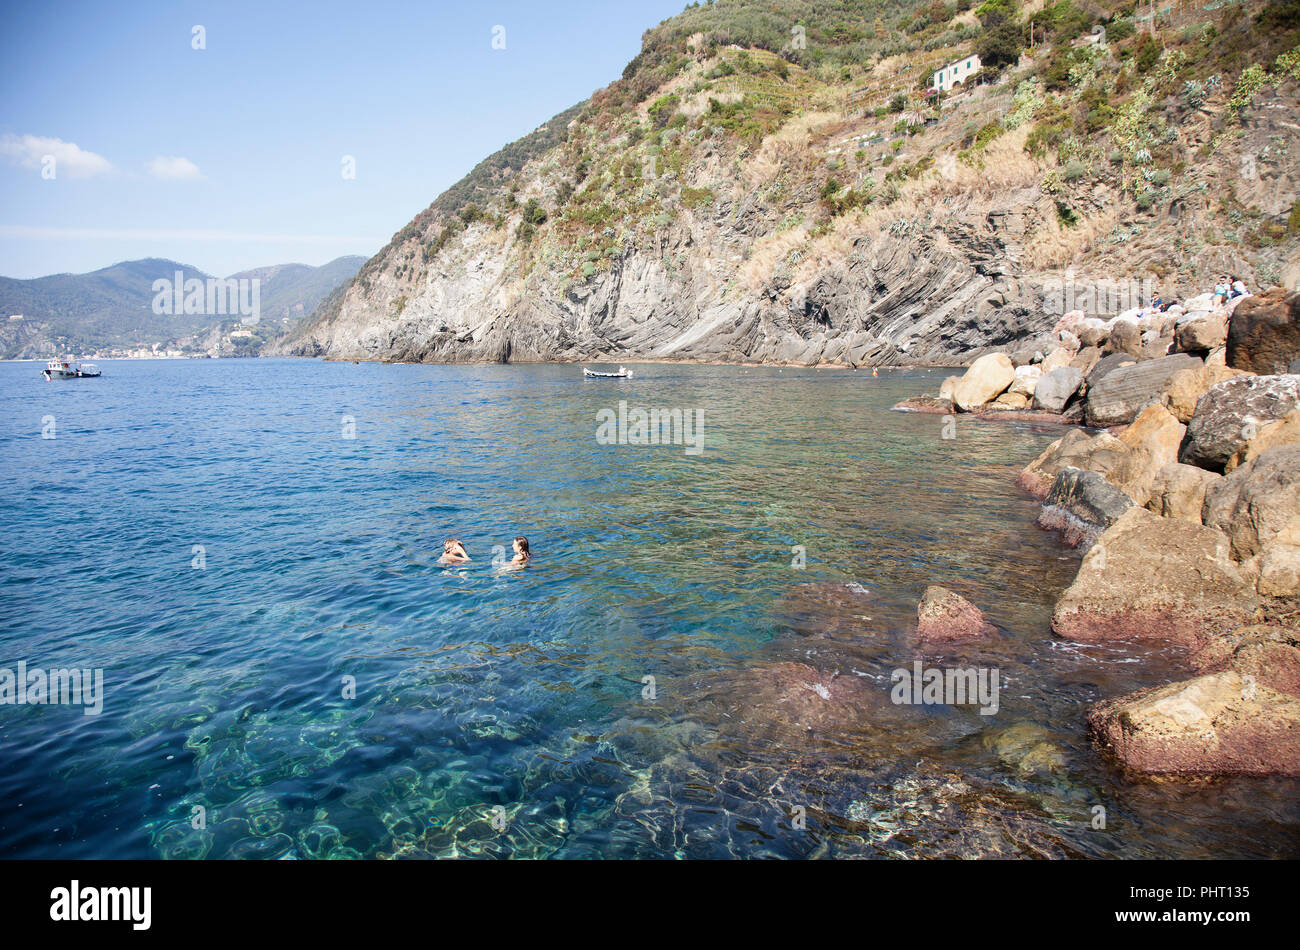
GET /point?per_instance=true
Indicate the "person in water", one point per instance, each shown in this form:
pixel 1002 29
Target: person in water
pixel 522 554
pixel 453 552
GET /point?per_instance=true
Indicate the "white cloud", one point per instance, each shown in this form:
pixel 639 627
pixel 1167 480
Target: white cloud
pixel 70 159
pixel 174 168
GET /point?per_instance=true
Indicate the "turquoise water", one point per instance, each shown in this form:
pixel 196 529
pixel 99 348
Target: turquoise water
pixel 521 696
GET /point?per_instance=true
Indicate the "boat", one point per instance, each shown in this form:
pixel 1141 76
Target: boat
pixel 621 374
pixel 68 368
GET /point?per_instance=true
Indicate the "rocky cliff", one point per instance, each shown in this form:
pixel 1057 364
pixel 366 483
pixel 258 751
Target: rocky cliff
pixel 723 202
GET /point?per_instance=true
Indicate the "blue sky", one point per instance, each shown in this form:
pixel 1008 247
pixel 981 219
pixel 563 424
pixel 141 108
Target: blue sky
pixel 230 157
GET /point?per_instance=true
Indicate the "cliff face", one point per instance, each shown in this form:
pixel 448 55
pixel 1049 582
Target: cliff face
pixel 787 226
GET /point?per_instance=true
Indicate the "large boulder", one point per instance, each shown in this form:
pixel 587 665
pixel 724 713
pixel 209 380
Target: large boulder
pixel 986 379
pixel 1231 413
pixel 1277 565
pixel 1149 577
pixel 1187 386
pixel 1076 449
pixel 1201 332
pixel 1081 505
pixel 943 617
pixel 1010 400
pixel 1216 724
pixel 1154 437
pixel 1178 491
pixel 1106 364
pixel 1026 380
pixel 1120 394
pixel 1125 337
pixel 1255 502
pixel 1267 652
pixel 1056 387
pixel 1264 332
pixel 1059 357
pixel 945 388
pixel 1086 359
pixel 1284 431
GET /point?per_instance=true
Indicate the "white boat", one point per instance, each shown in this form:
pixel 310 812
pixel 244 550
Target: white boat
pixel 69 368
pixel 621 374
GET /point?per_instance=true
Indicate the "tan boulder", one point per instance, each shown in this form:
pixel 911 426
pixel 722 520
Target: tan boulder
pixel 1216 724
pixel 1149 577
pixel 1011 400
pixel 986 379
pixel 1257 501
pixel 1277 565
pixel 1178 491
pixel 1086 359
pixel 945 389
pixel 1061 356
pixel 1284 431
pixel 1076 449
pixel 1154 437
pixel 1188 385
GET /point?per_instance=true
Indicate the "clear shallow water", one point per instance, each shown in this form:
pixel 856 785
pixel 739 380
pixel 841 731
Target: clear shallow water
pixel 478 688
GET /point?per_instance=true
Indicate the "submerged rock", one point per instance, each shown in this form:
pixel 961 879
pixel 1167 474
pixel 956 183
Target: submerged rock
pixel 1026 747
pixel 1149 577
pixel 1216 724
pixel 944 617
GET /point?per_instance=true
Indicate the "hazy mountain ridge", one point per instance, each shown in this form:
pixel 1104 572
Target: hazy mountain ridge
pixel 111 310
pixel 748 191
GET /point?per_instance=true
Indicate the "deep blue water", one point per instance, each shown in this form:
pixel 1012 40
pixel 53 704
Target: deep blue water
pixel 485 692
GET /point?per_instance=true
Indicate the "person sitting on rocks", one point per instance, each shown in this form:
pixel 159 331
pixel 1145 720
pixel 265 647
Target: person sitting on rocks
pixel 453 552
pixel 1221 291
pixel 1238 288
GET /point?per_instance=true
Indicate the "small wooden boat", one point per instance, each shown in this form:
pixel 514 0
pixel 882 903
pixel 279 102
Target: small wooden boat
pixel 621 374
pixel 69 369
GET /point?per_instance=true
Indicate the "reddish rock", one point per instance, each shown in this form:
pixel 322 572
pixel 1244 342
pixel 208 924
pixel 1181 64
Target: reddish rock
pixel 1217 724
pixel 1155 578
pixel 1267 652
pixel 943 617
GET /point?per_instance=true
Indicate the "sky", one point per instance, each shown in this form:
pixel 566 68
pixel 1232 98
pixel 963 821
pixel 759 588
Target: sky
pixel 233 155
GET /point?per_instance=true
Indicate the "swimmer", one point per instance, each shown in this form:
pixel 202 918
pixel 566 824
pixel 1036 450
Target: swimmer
pixel 522 555
pixel 453 552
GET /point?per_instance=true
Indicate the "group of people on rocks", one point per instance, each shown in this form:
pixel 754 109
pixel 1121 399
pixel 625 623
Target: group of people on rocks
pixel 1225 289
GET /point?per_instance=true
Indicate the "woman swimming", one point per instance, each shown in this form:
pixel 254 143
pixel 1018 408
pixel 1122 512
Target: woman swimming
pixel 522 554
pixel 453 552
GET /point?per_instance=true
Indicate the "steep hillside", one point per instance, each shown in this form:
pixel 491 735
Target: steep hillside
pixel 111 310
pixel 774 182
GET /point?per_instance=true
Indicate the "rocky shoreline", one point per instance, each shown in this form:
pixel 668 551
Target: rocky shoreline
pixel 1179 477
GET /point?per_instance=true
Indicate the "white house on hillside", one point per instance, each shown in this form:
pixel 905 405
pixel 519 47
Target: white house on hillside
pixel 955 74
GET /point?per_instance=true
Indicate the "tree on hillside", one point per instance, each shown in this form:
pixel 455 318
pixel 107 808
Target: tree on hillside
pixel 1001 42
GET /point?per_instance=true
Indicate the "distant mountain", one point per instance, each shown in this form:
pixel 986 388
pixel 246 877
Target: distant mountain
pixel 112 310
